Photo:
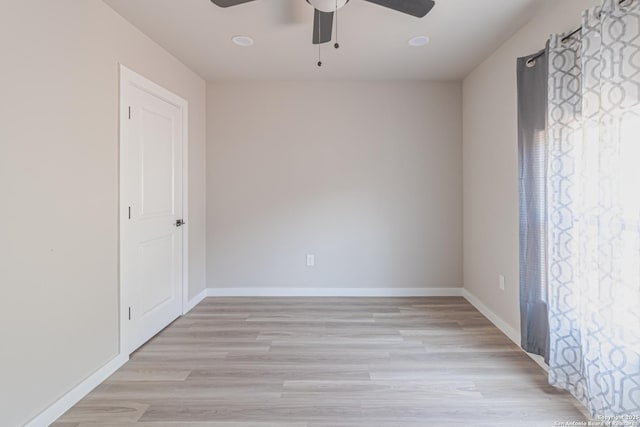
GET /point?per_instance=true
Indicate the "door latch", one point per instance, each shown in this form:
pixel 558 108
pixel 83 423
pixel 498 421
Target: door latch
pixel 180 223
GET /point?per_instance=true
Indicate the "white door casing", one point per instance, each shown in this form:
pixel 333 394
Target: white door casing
pixel 153 141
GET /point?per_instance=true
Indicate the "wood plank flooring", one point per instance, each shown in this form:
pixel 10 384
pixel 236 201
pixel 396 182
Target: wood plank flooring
pixel 327 362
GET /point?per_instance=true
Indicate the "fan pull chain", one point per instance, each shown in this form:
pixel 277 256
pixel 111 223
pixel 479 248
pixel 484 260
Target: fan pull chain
pixel 337 45
pixel 319 42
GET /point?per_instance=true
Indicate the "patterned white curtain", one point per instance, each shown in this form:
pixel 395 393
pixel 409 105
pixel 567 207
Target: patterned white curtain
pixel 594 210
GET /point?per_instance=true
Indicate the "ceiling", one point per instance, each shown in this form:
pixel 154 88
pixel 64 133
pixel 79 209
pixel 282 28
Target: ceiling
pixel 373 40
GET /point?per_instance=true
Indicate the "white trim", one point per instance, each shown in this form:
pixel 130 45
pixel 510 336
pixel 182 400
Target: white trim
pixel 66 402
pixel 506 329
pixel 494 318
pixel 62 405
pixel 130 77
pixel 196 300
pixel 185 207
pixel 539 360
pixel 334 292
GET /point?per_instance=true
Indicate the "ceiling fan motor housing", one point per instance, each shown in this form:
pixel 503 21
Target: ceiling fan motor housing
pixel 327 5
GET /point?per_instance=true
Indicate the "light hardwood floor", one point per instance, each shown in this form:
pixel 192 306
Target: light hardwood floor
pixel 327 362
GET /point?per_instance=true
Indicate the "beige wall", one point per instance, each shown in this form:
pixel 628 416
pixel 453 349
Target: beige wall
pixel 491 162
pixel 59 191
pixel 366 176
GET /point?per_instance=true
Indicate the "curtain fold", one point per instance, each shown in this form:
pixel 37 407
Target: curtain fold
pixel 593 202
pixel 532 76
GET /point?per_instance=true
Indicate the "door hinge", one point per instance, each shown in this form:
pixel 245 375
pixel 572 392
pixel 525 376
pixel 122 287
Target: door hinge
pixel 129 313
pixel 129 113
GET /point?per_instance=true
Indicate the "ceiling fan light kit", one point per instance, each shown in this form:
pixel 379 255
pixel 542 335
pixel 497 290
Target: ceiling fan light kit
pixel 327 5
pixel 326 10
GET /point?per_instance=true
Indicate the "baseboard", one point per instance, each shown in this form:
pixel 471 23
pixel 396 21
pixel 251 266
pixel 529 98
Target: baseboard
pixel 334 292
pixel 494 318
pixel 62 405
pixel 506 329
pixel 195 301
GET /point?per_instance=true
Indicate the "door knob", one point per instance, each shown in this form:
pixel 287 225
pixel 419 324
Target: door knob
pixel 180 223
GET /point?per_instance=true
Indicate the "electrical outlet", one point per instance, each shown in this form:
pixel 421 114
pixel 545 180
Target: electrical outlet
pixel 501 282
pixel 311 260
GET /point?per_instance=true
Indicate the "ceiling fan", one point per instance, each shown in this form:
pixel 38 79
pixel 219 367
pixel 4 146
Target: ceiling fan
pixel 325 10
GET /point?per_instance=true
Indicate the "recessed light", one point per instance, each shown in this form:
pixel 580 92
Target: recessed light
pixel 243 41
pixel 419 41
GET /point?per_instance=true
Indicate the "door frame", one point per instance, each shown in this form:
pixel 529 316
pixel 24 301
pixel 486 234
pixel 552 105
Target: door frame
pixel 130 78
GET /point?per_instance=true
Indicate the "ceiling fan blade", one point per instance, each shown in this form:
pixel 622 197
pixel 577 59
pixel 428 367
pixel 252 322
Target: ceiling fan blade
pixel 417 8
pixel 229 3
pixel 322 26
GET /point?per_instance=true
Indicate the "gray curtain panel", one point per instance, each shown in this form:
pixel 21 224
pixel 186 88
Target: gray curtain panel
pixel 533 158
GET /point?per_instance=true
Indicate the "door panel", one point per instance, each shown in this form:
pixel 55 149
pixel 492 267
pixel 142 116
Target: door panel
pixel 156 274
pixel 156 163
pixel 151 241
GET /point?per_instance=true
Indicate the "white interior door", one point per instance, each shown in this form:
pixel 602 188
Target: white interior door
pixel 151 230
